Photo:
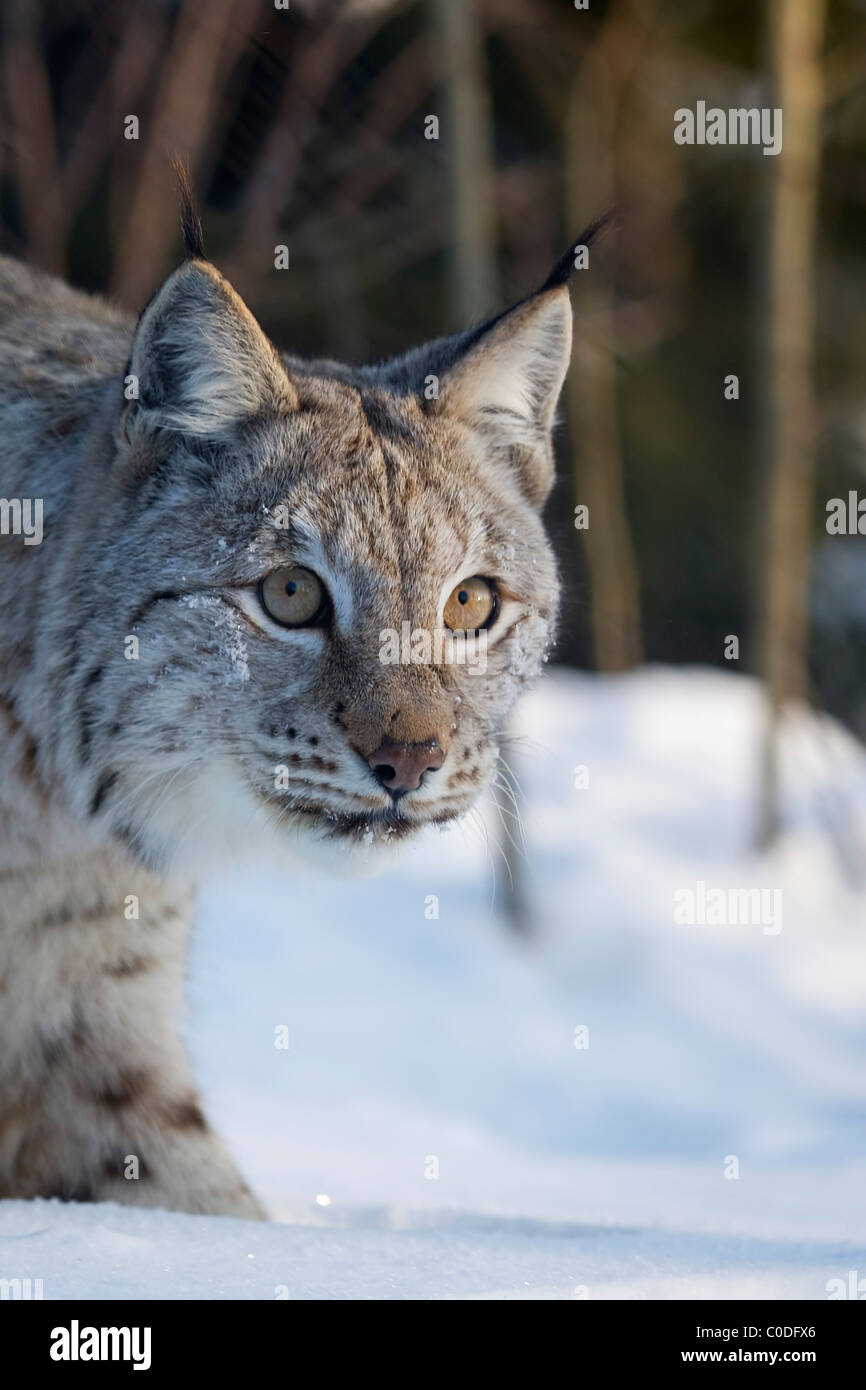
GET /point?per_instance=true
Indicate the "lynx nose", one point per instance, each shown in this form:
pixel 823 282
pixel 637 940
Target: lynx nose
pixel 399 767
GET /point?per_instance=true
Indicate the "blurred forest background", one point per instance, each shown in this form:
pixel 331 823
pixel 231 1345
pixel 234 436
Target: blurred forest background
pixel 307 126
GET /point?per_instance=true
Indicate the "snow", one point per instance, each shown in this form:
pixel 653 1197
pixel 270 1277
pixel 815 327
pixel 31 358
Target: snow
pixel 437 1126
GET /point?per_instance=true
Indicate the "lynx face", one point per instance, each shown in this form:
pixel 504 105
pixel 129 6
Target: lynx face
pixel 306 596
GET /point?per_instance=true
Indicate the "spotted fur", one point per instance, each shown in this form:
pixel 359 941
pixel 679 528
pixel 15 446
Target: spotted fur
pixel 165 453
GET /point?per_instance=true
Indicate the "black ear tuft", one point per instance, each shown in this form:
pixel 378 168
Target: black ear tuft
pixel 565 265
pixel 190 222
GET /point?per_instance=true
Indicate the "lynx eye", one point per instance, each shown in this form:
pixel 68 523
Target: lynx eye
pixel 472 605
pixel 294 597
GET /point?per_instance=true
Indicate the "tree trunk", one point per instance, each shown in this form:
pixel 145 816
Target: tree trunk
pixel 795 33
pixel 467 135
pixel 589 158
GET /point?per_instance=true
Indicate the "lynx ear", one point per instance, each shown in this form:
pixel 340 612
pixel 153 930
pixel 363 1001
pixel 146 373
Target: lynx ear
pixel 201 361
pixel 504 376
pixel 507 384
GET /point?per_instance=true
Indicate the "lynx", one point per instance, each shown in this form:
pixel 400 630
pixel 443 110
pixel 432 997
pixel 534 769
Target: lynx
pixel 191 662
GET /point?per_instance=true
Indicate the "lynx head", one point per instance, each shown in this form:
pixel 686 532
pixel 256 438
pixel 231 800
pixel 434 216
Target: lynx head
pixel 336 579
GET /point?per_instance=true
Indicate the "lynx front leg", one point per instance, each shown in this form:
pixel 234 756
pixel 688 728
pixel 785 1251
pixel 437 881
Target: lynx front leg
pixel 137 1144
pixel 96 1096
